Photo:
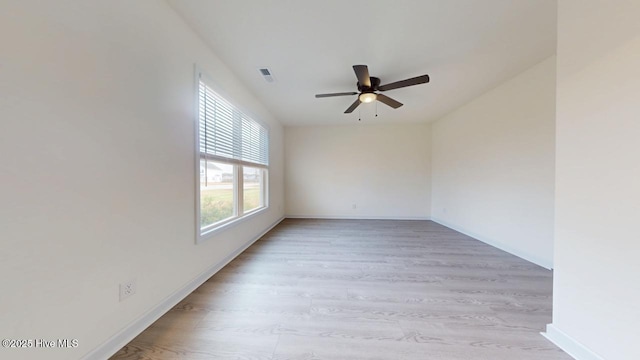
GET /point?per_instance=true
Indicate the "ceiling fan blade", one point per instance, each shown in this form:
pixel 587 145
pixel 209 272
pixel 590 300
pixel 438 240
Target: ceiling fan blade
pixel 362 73
pixel 353 106
pixel 404 83
pixel 389 101
pixel 336 94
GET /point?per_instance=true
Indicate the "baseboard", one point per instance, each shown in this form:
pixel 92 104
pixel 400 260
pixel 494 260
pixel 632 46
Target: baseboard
pixel 349 217
pixel 533 259
pixel 569 344
pixel 117 341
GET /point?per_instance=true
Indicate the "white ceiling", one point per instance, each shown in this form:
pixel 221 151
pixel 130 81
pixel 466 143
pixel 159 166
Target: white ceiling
pixel 466 46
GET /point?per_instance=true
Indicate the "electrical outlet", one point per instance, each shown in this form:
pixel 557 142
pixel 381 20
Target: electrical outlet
pixel 127 289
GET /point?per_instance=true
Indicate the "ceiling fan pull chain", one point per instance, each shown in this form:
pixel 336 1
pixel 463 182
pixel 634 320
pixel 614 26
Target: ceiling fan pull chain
pixel 376 109
pixel 359 115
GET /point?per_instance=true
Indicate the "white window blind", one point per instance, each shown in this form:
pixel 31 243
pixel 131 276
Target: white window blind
pixel 228 133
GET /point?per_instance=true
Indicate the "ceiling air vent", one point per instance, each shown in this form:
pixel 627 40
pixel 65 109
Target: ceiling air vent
pixel 266 74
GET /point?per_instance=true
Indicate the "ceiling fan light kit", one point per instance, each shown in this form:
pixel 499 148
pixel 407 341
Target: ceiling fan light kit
pixel 368 85
pixel 367 97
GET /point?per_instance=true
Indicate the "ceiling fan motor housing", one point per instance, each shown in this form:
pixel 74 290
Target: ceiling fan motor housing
pixel 375 82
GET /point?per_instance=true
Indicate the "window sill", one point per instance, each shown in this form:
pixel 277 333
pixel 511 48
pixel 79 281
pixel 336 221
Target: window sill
pixel 202 237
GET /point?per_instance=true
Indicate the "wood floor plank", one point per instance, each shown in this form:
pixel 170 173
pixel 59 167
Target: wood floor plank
pixel 361 289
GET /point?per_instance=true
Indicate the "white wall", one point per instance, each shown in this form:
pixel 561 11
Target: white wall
pixel 493 166
pixel 383 169
pixel 97 167
pixel 597 271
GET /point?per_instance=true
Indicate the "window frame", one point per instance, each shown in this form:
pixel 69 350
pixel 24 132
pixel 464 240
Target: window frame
pixel 239 216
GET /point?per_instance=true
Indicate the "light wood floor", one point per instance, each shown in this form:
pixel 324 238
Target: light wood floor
pixel 361 289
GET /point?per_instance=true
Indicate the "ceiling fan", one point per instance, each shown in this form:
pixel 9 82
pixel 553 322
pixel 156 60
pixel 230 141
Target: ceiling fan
pixel 369 88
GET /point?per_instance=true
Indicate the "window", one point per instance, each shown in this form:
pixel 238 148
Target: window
pixel 233 158
pixel 252 194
